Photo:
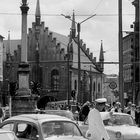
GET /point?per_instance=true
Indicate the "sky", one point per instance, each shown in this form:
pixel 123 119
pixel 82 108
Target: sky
pixel 103 26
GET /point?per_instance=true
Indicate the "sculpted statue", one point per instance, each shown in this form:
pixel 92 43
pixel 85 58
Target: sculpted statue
pixel 24 2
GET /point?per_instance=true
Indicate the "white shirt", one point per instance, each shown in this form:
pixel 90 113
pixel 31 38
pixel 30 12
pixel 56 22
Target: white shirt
pixel 96 126
pixel 133 113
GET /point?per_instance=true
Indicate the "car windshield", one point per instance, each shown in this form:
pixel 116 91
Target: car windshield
pixel 119 120
pixel 57 128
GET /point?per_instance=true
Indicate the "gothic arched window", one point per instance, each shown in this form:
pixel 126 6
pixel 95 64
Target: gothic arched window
pixel 98 87
pixel 94 87
pixel 55 80
pixel 75 84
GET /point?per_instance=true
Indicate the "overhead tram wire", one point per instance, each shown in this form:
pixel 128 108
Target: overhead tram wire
pixel 98 5
pixel 84 62
pixel 59 15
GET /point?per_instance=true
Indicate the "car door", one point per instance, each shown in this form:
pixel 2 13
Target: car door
pixel 22 129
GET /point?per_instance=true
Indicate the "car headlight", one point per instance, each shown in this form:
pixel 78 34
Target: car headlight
pixel 118 134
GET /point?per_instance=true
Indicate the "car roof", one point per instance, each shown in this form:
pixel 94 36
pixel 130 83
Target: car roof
pixel 65 113
pixel 61 111
pixel 38 118
pixel 106 115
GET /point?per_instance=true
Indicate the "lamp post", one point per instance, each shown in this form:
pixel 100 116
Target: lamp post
pixel 121 82
pixel 68 71
pixel 79 46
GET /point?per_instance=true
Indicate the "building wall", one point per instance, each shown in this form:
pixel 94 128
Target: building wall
pixel 128 66
pixel 47 52
pixel 1 58
pixel 131 58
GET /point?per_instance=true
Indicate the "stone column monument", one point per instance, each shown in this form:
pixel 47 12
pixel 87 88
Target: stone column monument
pixel 23 102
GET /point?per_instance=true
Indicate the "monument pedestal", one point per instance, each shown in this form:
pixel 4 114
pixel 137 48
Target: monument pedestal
pixel 23 105
pixel 23 102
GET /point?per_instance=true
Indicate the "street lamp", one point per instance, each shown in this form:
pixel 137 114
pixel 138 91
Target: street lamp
pixel 68 72
pixel 121 82
pixel 78 43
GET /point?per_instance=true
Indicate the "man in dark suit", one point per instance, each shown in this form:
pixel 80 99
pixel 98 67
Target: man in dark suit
pixel 137 117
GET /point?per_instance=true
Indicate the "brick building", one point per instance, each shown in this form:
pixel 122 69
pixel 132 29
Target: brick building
pixel 48 54
pixel 131 58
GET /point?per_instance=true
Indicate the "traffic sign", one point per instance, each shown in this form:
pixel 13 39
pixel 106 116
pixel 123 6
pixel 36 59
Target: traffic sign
pixel 113 85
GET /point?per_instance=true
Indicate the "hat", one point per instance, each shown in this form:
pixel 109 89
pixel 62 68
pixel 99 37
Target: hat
pixel 101 100
pixel 118 103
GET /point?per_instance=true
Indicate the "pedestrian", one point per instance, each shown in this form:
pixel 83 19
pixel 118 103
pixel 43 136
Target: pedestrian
pixel 77 107
pixel 137 117
pixel 96 126
pixel 113 107
pixel 128 108
pixel 84 111
pixel 132 111
pixel 101 104
pixel 107 107
pixel 1 113
pixel 118 107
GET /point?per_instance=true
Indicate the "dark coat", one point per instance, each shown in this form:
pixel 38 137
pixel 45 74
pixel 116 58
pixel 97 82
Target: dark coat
pixel 84 112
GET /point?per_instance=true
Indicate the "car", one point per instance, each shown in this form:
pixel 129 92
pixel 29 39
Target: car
pixel 64 113
pixel 120 126
pixel 42 127
pixel 7 135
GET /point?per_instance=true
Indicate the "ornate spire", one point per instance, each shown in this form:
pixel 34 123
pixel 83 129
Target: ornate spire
pixel 73 27
pixel 101 57
pixel 8 47
pixel 37 14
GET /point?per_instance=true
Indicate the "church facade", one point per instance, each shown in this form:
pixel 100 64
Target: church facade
pixel 53 60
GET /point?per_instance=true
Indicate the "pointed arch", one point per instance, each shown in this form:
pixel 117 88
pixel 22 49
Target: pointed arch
pixel 55 80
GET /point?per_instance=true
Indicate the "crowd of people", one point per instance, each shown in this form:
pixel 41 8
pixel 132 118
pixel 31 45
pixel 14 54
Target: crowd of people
pixel 131 109
pixel 92 111
pixel 83 110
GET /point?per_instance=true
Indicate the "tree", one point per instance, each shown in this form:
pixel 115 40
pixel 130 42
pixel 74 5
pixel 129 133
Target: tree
pixel 35 87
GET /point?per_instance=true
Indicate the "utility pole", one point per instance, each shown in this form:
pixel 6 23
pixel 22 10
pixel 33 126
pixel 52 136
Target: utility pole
pixel 121 86
pixel 68 71
pixel 91 94
pixel 79 46
pixel 79 62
